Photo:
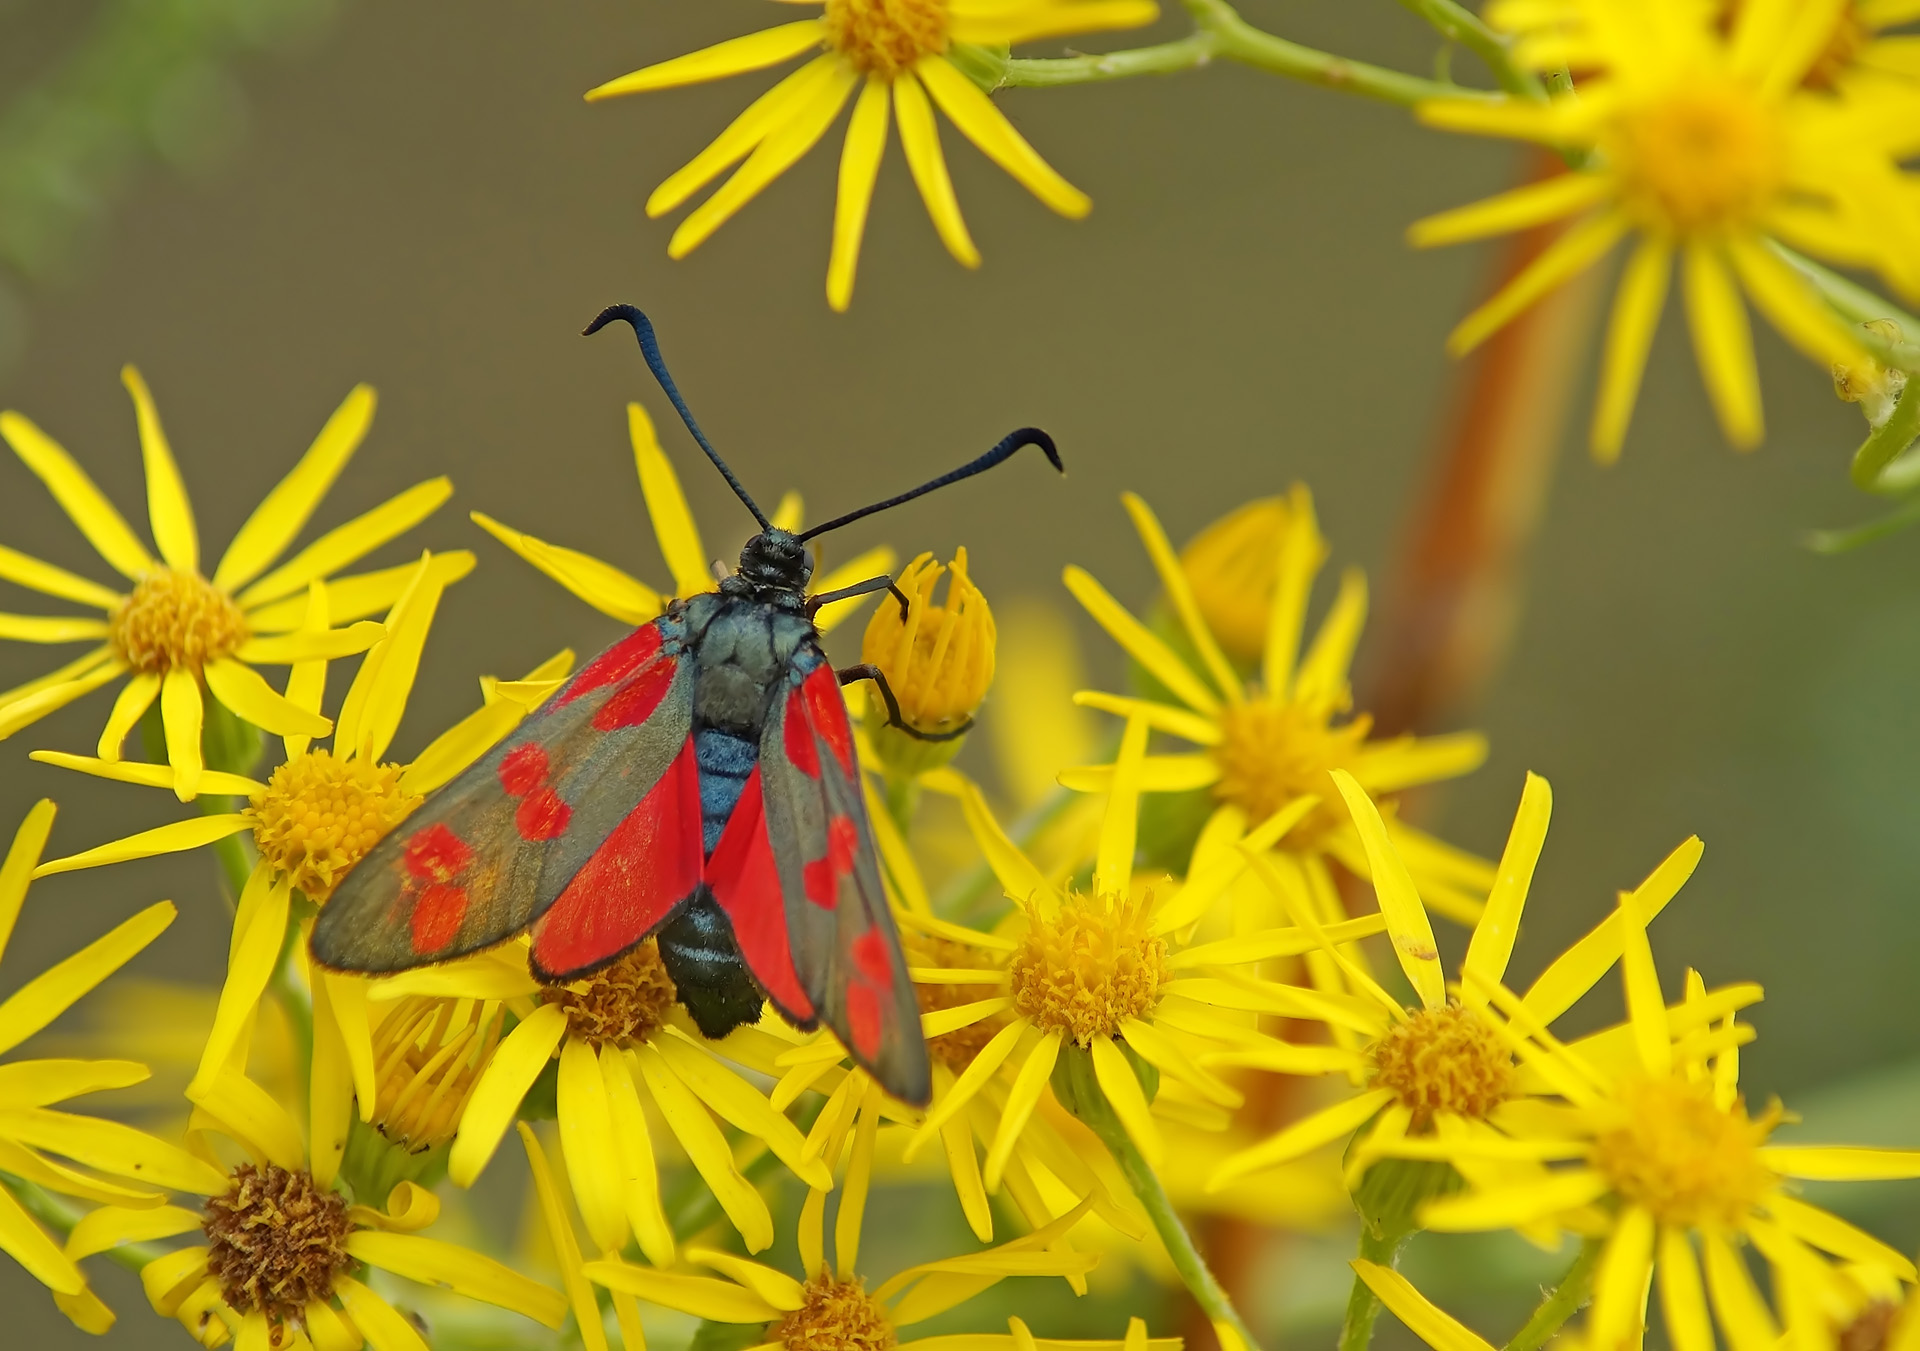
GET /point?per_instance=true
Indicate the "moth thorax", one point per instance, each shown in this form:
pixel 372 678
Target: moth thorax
pixel 1272 752
pixel 277 1241
pixel 1447 1059
pixel 428 1054
pixel 1687 1160
pixel 958 1048
pixel 317 816
pixel 623 1004
pixel 175 619
pixel 836 1316
pixel 1089 967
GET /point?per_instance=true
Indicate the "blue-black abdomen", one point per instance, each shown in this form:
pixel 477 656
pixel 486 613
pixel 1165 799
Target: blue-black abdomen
pixel 725 762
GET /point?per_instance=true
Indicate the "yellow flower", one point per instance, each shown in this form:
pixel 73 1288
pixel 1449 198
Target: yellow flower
pixel 567 1257
pixel 938 661
pixel 625 598
pixel 1663 1162
pixel 323 808
pixel 1707 145
pixel 283 1247
pixel 620 1041
pixel 178 633
pixel 31 1129
pixel 1266 747
pixel 1233 567
pixel 897 53
pixel 832 1307
pixel 1441 1069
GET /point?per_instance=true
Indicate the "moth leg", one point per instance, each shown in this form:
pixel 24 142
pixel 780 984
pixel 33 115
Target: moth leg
pixel 868 671
pixel 866 588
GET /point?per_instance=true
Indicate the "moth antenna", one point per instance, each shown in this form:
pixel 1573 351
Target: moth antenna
pixel 650 349
pixel 1026 436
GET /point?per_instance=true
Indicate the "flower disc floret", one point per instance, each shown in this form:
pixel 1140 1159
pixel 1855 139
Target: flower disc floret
pixel 317 816
pixel 1698 158
pixel 623 1004
pixel 1271 753
pixel 277 1241
pixel 958 1048
pixel 837 1315
pixel 175 619
pixel 885 37
pixel 1445 1059
pixel 1690 1163
pixel 1089 967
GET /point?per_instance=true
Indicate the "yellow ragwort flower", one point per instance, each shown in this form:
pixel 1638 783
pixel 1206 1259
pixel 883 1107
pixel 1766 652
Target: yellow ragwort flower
pixel 322 808
pixel 938 661
pixel 631 601
pixel 177 634
pixel 31 1129
pixel 1267 746
pixel 1441 1068
pixel 621 1042
pixel 832 1306
pixel 897 53
pixel 1233 567
pixel 283 1251
pixel 1662 1161
pixel 1706 143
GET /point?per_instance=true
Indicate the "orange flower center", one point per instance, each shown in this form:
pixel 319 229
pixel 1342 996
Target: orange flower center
pixel 277 1241
pixel 319 816
pixel 621 1004
pixel 1704 156
pixel 1692 1164
pixel 885 37
pixel 1088 969
pixel 1271 753
pixel 836 1316
pixel 175 619
pixel 1444 1060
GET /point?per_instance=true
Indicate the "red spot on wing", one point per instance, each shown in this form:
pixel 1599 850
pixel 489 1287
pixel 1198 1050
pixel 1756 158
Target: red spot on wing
pixel 543 816
pixel 827 711
pixel 634 702
pixel 822 876
pixel 524 769
pixel 873 958
pixel 796 733
pixel 616 663
pixel 863 1020
pixel 746 883
pixel 646 866
pixel 437 916
pixel 436 854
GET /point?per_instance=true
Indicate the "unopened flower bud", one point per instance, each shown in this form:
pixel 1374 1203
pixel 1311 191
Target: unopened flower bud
pixel 428 1054
pixel 938 661
pixel 1874 387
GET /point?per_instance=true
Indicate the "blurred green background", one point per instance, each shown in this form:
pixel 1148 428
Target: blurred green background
pixel 416 196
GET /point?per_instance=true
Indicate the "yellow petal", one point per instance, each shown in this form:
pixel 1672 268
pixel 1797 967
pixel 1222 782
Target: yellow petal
pixel 330 1091
pixel 587 1145
pixel 182 712
pixel 1742 1312
pixel 634 1138
pixel 112 1148
pixel 132 703
pixel 23 854
pixel 50 629
pixel 1646 1007
pixel 1642 294
pixel 248 696
pixel 983 124
pixel 284 511
pixel 55 990
pixel 1407 922
pixel 1173 580
pixel 36 699
pixel 263 909
pixel 1682 1301
pixel 920 138
pixel 516 1063
pixel 1301 551
pixel 1122 1088
pixel 1161 717
pixel 1323 675
pixel 74 491
pixel 29 1166
pixel 1577 969
pixel 1022 1097
pixel 600 585
pixel 1437 1329
pixel 1828 1231
pixel 380 688
pixel 305 644
pixel 586 1310
pixel 755 51
pixel 1139 642
pixel 384 1327
pixel 254 1118
pixel 1837 1163
pixel 1620 1282
pixel 1301 1138
pixel 343 544
pixel 1492 942
pixel 702 1296
pixel 1521 208
pixel 1018 876
pixel 176 838
pixel 1119 823
pixel 673 524
pixel 434 1262
pixel 22 1239
pixel 746 131
pixel 356 595
pixel 1792 305
pixel 859 167
pixel 983 1067
pixel 853 1192
pixel 775 1287
pixel 24 570
pixel 167 506
pixel 1723 344
pixel 1507 1207
pixel 707 1150
pixel 1568 256
pixel 100 1230
pixel 740 1104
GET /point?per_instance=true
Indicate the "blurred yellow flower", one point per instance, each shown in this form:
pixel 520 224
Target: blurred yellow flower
pixel 631 601
pixel 1707 144
pixel 1266 747
pixel 30 1128
pixel 897 53
pixel 1233 567
pixel 1661 1157
pixel 178 634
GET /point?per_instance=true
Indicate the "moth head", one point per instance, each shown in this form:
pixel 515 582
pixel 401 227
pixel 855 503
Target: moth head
pixel 775 559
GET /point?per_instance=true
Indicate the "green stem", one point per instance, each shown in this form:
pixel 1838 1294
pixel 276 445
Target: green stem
pixel 903 796
pixel 1857 305
pixel 1562 1302
pixel 1219 31
pixel 1885 445
pixel 60 1214
pixel 1456 23
pixel 1090 1104
pixel 1363 1306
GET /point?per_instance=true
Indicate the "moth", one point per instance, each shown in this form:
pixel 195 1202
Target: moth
pixel 696 783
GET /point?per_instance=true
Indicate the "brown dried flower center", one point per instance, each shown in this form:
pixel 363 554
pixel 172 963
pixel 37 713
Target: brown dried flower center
pixel 1089 968
pixel 836 1316
pixel 277 1241
pixel 885 37
pixel 319 816
pixel 621 1005
pixel 1444 1060
pixel 175 619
